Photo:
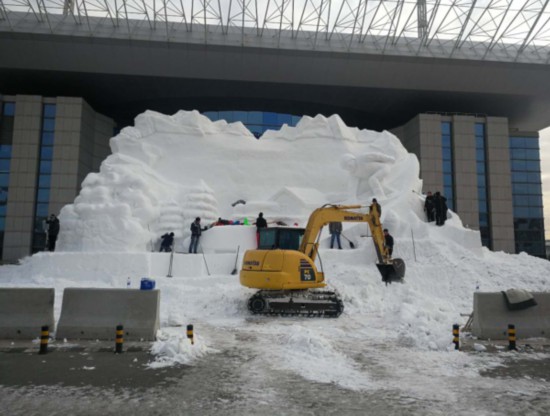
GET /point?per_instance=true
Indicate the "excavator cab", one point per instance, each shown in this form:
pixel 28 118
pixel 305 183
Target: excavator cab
pixel 283 238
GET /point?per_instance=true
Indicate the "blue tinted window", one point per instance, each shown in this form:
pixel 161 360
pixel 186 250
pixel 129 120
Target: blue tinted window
pixel 532 166
pixel 446 128
pixel 44 181
pixel 446 141
pixel 45 166
pixel 9 109
pixel 212 115
pixel 47 139
pixel 46 152
pixel 3 195
pixel 480 129
pixel 49 110
pixel 5 151
pixel 241 116
pixel 447 166
pixel 41 210
pixel 4 180
pixel 4 165
pixel 270 118
pixel 284 119
pixel 446 153
pixel 295 120
pixel 3 210
pixel 2 223
pixel 49 124
pixel 43 195
pixel 226 115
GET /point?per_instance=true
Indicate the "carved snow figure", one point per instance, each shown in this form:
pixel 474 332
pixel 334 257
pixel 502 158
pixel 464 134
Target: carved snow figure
pixel 368 172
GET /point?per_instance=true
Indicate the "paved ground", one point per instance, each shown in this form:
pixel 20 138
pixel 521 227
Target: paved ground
pixel 89 379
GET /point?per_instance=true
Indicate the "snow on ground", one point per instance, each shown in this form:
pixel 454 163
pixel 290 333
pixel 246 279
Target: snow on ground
pixel 166 170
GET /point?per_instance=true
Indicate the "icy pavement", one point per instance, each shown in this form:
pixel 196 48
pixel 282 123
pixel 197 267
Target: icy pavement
pixel 249 374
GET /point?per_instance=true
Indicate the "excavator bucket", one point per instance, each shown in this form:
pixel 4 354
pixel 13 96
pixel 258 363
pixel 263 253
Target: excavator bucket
pixel 393 271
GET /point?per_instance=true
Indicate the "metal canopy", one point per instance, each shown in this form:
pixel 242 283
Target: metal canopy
pixel 495 30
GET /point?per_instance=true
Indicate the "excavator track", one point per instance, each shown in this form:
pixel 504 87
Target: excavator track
pixel 307 303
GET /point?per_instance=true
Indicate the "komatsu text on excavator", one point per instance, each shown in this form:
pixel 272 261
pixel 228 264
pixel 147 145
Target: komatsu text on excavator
pixel 283 267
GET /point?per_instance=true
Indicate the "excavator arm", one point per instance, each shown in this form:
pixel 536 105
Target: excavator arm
pixel 342 213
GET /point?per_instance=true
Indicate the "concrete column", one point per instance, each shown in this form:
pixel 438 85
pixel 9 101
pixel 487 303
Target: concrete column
pixel 67 142
pixel 431 162
pixel 23 176
pixel 422 136
pixel 465 170
pixel 500 184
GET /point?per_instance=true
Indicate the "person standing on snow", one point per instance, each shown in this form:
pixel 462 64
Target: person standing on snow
pixel 167 242
pixel 53 231
pixel 429 207
pixel 196 232
pixel 335 229
pixel 388 242
pixel 375 206
pixel 440 205
pixel 260 223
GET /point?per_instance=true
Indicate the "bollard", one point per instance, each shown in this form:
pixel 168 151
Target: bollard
pixel 119 339
pixel 456 336
pixel 190 333
pixel 44 338
pixel 512 337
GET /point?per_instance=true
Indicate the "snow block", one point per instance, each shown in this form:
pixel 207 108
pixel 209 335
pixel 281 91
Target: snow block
pixel 492 316
pixel 95 313
pixel 23 312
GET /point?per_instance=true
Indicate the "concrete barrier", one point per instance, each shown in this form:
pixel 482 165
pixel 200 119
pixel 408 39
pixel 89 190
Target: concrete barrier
pixel 492 316
pixel 95 313
pixel 23 311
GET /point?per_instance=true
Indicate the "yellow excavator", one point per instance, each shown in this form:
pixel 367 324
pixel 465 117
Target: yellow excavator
pixel 283 267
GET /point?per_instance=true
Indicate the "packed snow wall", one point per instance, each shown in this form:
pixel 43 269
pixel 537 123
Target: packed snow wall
pixel 166 170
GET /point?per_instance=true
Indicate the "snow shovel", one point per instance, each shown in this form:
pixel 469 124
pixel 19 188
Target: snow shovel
pixel 171 261
pixel 204 258
pixel 349 241
pixel 236 259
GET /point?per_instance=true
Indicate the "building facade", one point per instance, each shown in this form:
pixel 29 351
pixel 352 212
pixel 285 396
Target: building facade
pixel 489 173
pixel 47 147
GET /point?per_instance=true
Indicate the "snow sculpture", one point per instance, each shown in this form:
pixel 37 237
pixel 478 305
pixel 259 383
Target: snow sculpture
pixel 167 170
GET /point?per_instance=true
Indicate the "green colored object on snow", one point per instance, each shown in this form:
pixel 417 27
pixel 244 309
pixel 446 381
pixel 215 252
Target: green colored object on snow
pixel 245 222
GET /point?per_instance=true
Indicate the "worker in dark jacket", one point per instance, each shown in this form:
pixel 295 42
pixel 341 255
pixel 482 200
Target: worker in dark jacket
pixel 167 242
pixel 429 207
pixel 388 242
pixel 260 223
pixel 335 229
pixel 196 231
pixel 53 231
pixel 375 206
pixel 440 206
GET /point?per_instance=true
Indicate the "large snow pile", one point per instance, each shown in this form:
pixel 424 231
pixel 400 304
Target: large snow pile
pixel 166 170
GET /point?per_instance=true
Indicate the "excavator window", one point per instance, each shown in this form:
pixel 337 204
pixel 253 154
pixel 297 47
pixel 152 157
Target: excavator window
pixel 280 238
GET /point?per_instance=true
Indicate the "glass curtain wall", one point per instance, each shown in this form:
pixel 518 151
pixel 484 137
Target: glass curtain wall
pixel 44 177
pixel 256 121
pixel 448 168
pixel 6 137
pixel 527 195
pixel 482 189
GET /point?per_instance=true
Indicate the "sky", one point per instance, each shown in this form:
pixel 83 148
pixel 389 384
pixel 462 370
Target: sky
pixel 545 169
pixel 166 170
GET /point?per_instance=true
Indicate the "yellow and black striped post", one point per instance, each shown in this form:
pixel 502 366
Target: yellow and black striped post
pixel 119 339
pixel 190 334
pixel 456 336
pixel 44 338
pixel 511 337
